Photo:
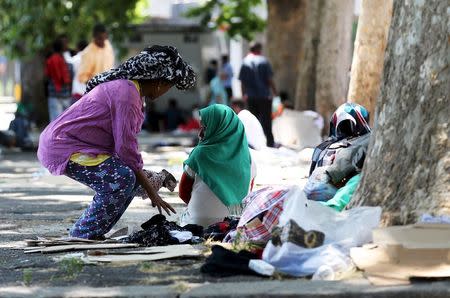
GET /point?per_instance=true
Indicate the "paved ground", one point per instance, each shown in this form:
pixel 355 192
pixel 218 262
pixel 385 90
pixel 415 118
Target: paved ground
pixel 37 204
pixel 34 203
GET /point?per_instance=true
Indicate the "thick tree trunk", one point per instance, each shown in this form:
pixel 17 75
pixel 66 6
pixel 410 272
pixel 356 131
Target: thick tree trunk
pixel 33 88
pixel 305 93
pixel 334 57
pixel 407 170
pixel 368 56
pixel 285 26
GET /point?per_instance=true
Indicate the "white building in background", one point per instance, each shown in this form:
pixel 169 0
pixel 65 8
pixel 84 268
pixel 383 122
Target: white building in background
pixel 197 44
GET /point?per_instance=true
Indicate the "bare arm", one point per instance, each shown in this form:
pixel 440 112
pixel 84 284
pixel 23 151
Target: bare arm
pixel 152 194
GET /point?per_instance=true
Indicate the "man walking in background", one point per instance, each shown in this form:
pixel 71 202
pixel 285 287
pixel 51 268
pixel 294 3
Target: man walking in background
pixel 258 88
pixel 97 57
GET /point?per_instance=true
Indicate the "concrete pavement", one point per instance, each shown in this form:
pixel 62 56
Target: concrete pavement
pixel 34 203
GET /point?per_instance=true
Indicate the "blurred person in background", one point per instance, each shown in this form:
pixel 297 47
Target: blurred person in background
pixel 258 88
pixel 78 88
pixel 228 71
pixel 217 89
pixel 59 81
pixel 97 57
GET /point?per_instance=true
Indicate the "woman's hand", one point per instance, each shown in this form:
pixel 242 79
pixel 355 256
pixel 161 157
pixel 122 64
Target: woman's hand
pixel 160 203
pixel 142 179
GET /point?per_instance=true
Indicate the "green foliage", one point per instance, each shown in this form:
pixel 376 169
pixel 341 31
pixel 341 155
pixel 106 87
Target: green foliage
pixel 237 17
pixel 29 26
pixel 27 276
pixel 71 267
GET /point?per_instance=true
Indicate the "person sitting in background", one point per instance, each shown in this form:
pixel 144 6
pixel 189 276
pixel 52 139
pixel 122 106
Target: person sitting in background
pixel 153 118
pixel 97 57
pixel 217 88
pixel 253 129
pixel 192 123
pixel 174 115
pixel 337 162
pixel 59 81
pixel 219 171
pixel 279 106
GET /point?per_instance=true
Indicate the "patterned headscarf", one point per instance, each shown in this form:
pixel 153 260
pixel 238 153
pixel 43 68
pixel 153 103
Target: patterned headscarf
pixel 156 62
pixel 357 118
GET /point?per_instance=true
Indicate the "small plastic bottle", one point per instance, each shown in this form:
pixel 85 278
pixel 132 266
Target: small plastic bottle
pixel 324 272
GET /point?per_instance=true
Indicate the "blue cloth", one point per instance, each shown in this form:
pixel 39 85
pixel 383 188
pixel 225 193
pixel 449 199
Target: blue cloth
pixel 115 186
pixel 229 71
pixel 218 90
pixel 255 74
pixel 57 105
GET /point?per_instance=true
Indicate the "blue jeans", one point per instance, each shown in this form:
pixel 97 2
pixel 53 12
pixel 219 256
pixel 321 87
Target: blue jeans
pixel 57 105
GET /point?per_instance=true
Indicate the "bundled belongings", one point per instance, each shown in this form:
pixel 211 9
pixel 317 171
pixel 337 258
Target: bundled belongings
pixel 261 212
pixel 219 230
pixel 311 238
pixel 340 157
pixel 158 231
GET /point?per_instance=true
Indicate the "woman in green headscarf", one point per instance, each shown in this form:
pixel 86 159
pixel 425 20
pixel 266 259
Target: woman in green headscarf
pixel 219 172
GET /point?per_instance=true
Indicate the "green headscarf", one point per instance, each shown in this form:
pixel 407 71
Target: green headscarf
pixel 222 158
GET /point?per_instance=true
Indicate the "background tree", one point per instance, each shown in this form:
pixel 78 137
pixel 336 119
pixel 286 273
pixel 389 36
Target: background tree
pixel 237 17
pixel 28 27
pixel 368 56
pixel 407 170
pixel 308 43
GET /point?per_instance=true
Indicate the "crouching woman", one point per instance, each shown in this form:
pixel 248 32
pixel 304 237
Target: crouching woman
pixel 95 141
pixel 219 172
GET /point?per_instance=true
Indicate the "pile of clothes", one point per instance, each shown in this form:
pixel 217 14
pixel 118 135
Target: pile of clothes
pixel 305 232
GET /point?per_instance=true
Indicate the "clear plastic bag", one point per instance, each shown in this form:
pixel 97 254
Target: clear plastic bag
pixel 342 230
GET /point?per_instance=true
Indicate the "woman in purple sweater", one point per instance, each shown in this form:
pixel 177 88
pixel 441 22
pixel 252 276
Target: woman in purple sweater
pixel 95 140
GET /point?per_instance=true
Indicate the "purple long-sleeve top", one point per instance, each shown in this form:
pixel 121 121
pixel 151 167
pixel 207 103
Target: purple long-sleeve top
pixel 104 121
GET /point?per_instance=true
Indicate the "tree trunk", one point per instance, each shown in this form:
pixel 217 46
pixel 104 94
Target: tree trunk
pixel 33 88
pixel 368 56
pixel 305 93
pixel 334 57
pixel 285 26
pixel 407 170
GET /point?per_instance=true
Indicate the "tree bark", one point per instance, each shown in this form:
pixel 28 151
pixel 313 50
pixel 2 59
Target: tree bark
pixel 285 26
pixel 368 55
pixel 407 170
pixel 305 93
pixel 33 88
pixel 334 57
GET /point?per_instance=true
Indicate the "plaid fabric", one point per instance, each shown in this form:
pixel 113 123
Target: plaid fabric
pixel 265 204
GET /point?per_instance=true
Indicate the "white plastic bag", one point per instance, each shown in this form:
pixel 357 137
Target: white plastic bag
pixel 342 230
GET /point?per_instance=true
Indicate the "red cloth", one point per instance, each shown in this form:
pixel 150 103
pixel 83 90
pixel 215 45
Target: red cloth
pixel 185 187
pixel 56 69
pixel 192 124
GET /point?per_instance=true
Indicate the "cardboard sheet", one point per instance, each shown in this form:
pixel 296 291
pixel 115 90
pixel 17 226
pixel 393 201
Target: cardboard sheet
pixel 149 254
pixel 395 265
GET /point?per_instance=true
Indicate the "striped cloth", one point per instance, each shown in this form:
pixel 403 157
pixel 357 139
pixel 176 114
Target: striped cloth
pixel 265 204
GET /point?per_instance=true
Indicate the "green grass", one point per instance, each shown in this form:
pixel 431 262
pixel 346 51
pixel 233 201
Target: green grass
pixel 71 267
pixel 27 276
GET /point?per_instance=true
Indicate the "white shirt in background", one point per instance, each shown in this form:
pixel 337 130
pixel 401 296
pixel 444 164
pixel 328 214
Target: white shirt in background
pixel 253 130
